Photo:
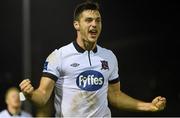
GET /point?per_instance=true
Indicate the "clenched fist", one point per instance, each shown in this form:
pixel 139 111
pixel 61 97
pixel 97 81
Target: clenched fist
pixel 26 87
pixel 158 103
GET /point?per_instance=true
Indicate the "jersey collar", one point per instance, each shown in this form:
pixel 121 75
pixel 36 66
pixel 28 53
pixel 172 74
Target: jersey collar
pixel 81 50
pixel 19 114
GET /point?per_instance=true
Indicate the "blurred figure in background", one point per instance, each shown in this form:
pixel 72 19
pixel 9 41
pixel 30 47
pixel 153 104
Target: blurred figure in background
pixel 13 105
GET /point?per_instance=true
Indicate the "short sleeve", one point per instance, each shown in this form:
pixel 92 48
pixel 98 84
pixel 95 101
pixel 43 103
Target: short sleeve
pixel 52 66
pixel 114 77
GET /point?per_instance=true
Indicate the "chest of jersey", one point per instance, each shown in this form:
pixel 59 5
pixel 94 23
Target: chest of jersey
pixel 88 70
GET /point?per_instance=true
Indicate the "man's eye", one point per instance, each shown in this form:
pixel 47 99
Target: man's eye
pixel 98 20
pixel 88 20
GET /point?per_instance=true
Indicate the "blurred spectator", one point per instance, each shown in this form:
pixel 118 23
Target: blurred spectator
pixel 13 105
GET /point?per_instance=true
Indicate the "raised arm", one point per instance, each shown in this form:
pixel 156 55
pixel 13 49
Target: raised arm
pixel 41 95
pixel 122 101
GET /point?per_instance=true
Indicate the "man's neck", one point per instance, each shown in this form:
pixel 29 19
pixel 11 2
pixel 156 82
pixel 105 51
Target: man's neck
pixel 13 110
pixel 86 45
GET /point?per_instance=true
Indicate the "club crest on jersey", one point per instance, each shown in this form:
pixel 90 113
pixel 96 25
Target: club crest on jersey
pixel 90 80
pixel 104 65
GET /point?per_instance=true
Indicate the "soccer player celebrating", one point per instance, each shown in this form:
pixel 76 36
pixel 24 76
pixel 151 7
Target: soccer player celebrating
pixel 85 75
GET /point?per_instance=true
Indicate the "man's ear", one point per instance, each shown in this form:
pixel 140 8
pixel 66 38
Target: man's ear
pixel 76 25
pixel 6 101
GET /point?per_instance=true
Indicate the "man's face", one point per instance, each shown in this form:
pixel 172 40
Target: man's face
pixel 90 25
pixel 13 99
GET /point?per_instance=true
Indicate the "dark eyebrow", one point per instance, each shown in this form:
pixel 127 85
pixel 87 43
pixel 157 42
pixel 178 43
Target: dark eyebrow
pixel 92 18
pixel 88 18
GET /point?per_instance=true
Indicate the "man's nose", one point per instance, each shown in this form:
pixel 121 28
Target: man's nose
pixel 94 24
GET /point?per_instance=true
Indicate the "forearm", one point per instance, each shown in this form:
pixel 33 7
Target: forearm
pixel 41 95
pixel 123 101
pixel 38 97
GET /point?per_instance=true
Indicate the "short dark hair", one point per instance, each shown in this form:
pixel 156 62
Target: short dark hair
pixel 88 5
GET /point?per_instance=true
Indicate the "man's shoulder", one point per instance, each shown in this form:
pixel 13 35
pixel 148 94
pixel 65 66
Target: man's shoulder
pixel 105 50
pixel 106 53
pixel 3 113
pixel 64 48
pixel 69 45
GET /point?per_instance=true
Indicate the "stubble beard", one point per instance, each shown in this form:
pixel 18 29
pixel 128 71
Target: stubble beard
pixel 88 45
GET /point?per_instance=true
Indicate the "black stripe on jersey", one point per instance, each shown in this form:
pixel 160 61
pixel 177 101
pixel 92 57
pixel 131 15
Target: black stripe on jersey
pixel 114 81
pixel 49 75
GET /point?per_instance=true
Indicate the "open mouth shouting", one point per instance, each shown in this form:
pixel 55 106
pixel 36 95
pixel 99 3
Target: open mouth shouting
pixel 93 33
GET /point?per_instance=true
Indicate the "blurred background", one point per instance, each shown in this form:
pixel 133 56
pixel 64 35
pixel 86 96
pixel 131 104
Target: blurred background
pixel 143 34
